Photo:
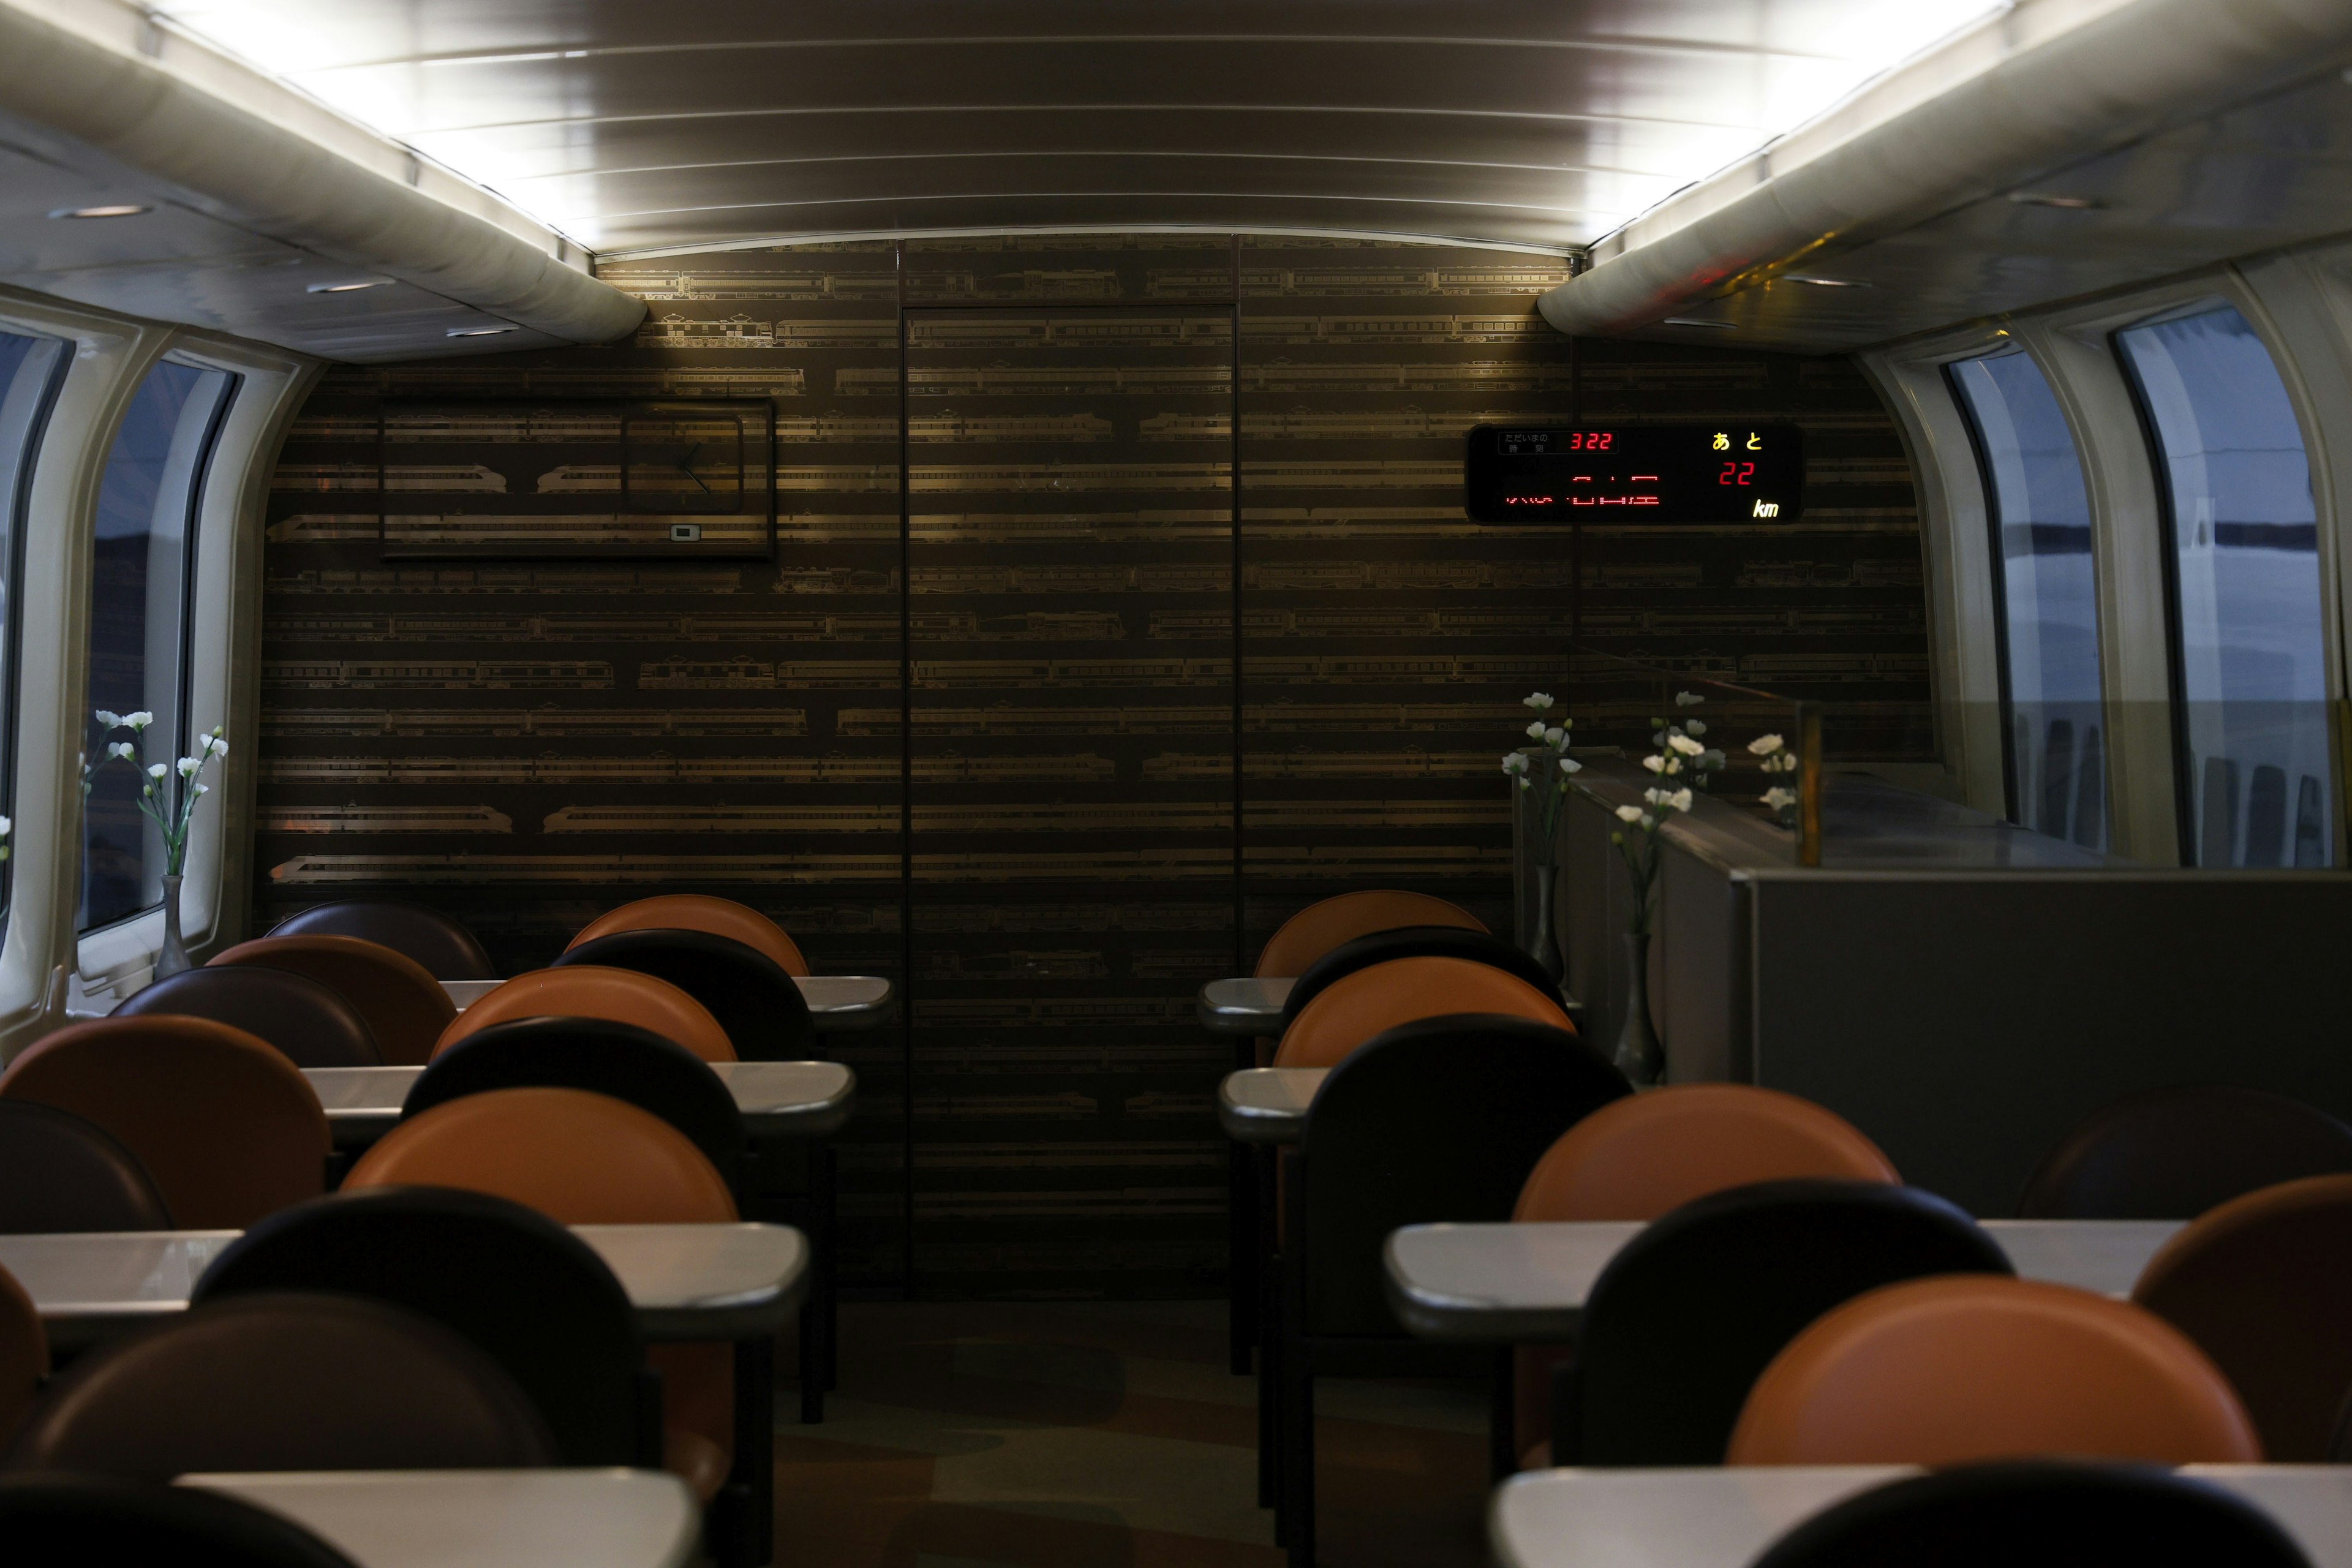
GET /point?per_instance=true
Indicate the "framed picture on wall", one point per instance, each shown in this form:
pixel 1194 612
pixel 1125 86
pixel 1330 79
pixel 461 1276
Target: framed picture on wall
pixel 479 480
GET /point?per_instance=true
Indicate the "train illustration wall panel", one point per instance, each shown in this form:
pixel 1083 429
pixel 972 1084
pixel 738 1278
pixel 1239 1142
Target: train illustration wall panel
pixel 527 742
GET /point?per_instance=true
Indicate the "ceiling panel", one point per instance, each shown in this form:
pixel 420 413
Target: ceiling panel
pixel 632 126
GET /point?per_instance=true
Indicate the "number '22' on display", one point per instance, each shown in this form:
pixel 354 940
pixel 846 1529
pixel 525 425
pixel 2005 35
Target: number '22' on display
pixel 1736 474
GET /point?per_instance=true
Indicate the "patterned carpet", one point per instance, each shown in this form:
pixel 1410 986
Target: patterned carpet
pixel 1103 1435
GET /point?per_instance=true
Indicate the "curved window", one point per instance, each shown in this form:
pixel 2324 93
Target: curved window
pixel 2045 597
pixel 140 594
pixel 2250 665
pixel 30 368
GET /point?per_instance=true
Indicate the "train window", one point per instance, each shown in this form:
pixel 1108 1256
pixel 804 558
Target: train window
pixel 30 368
pixel 141 583
pixel 2249 662
pixel 2045 599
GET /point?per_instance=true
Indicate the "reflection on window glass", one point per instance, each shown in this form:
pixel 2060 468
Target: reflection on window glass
pixel 30 368
pixel 138 622
pixel 2246 606
pixel 2046 592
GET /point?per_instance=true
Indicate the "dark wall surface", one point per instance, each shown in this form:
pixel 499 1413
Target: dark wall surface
pixel 527 741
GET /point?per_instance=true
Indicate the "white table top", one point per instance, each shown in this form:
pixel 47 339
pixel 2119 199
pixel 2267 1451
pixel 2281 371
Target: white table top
pixel 1723 1518
pixel 1244 1006
pixel 686 1281
pixel 838 1003
pixel 462 1519
pixel 1267 1105
pixel 798 1099
pixel 1528 1283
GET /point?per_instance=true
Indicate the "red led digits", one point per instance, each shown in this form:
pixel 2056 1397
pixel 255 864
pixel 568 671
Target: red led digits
pixel 1736 474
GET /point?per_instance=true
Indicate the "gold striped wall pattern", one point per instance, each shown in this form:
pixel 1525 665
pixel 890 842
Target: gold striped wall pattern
pixel 526 742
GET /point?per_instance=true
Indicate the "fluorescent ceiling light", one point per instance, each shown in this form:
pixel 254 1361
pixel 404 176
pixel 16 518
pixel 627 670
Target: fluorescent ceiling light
pixel 2048 199
pixel 478 332
pixel 123 210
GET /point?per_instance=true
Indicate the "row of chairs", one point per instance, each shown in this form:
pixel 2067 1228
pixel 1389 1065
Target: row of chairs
pixel 1790 1212
pixel 336 997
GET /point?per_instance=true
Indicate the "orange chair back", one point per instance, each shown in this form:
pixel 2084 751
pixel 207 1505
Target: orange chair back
pixel 2264 1285
pixel 23 1355
pixel 1356 1007
pixel 404 1007
pixel 1318 928
pixel 584 1159
pixel 1642 1155
pixel 700 911
pixel 1966 1368
pixel 595 991
pixel 577 1157
pixel 227 1127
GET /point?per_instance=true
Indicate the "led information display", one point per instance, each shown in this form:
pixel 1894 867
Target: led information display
pixel 1634 473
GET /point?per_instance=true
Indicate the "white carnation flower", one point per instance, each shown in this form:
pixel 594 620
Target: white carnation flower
pixel 1628 813
pixel 1570 765
pixel 1535 731
pixel 1687 699
pixel 1555 737
pixel 1648 822
pixel 156 770
pixel 1685 745
pixel 188 766
pixel 7 826
pixel 1693 727
pixel 108 717
pixel 1656 765
pixel 138 720
pixel 1777 797
pixel 1514 762
pixel 1538 701
pixel 204 789
pixel 1765 745
pixel 1680 799
pixel 1710 759
pixel 118 749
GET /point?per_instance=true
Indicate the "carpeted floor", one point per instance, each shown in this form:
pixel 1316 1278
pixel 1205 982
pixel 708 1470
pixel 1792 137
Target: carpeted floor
pixel 993 1434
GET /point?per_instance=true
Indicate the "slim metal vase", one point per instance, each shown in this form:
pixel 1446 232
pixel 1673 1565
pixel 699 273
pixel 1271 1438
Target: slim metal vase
pixel 175 956
pixel 1638 1054
pixel 1543 943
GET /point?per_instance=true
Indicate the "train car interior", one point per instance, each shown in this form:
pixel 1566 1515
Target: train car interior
pixel 1215 784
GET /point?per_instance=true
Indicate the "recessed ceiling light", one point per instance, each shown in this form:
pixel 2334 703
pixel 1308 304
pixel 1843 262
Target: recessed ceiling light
pixel 478 332
pixel 2044 199
pixel 1699 322
pixel 125 210
pixel 1824 282
pixel 352 287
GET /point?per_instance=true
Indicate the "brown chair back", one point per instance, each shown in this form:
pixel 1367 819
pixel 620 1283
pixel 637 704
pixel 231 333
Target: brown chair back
pixel 312 1024
pixel 59 1173
pixel 286 1382
pixel 1318 928
pixel 584 1159
pixel 700 911
pixel 24 1354
pixel 2263 1286
pixel 596 991
pixel 442 945
pixel 404 1007
pixel 1969 1367
pixel 1657 1151
pixel 228 1129
pixel 1372 1001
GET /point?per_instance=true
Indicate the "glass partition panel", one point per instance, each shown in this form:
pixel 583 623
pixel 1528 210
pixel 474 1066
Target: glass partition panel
pixel 29 370
pixel 2247 646
pixel 140 593
pixel 2045 597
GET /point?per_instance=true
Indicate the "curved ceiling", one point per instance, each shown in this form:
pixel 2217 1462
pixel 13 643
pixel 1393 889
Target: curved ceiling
pixel 634 127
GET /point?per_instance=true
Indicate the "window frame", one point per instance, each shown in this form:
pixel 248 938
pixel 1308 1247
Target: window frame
pixel 199 482
pixel 17 520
